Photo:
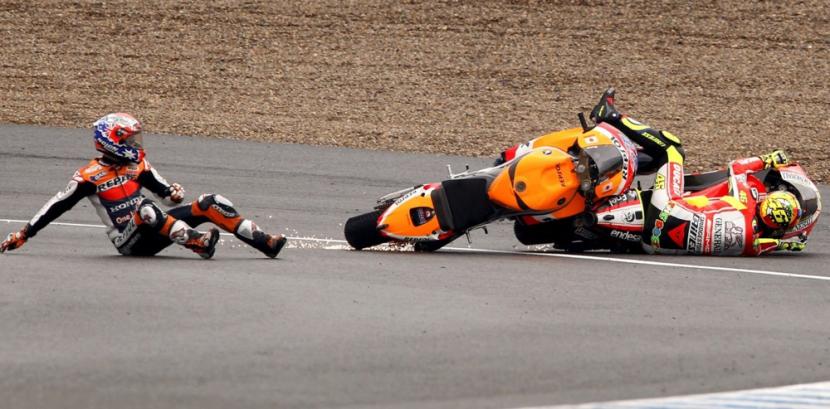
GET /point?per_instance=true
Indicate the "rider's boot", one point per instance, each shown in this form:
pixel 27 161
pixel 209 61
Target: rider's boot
pixel 203 244
pixel 268 244
pixel 605 110
pixel 654 142
pixel 220 211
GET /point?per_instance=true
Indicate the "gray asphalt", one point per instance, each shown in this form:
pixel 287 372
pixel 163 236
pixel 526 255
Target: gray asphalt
pixel 81 326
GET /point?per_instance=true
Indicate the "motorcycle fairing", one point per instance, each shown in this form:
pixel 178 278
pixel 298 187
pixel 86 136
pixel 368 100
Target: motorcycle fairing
pixel 542 180
pixel 563 140
pixel 399 222
pixel 624 213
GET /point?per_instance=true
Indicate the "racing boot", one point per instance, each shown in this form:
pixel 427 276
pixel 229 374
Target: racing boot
pixel 654 142
pixel 203 244
pixel 605 111
pixel 249 233
pixel 270 245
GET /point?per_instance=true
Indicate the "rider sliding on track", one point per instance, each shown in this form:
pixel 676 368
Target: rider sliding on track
pixel 136 225
pixel 743 222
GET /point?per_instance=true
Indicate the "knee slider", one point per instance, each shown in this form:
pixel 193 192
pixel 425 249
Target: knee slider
pixel 218 203
pixel 204 201
pixel 151 214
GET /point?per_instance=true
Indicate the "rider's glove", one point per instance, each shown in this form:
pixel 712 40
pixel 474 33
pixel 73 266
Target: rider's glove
pixel 775 159
pixel 176 193
pixel 14 241
pixel 791 245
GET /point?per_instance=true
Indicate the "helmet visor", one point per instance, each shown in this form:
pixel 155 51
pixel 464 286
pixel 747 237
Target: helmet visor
pixel 135 140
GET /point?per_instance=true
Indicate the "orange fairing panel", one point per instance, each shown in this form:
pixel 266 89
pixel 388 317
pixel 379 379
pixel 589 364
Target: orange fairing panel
pixel 501 191
pixel 412 217
pixel 573 208
pixel 563 139
pixel 540 181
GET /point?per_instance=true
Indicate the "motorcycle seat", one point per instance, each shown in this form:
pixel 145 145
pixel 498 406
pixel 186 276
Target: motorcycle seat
pixel 462 203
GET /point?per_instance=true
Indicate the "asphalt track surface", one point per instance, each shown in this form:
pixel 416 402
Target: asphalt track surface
pixel 323 326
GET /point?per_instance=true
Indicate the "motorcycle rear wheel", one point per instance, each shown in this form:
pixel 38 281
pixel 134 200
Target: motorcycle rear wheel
pixel 362 231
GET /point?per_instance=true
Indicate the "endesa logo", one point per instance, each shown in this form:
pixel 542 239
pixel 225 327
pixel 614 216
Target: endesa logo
pixel 624 235
pixel 103 187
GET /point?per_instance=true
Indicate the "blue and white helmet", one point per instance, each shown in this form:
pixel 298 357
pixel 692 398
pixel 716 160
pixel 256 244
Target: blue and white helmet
pixel 118 137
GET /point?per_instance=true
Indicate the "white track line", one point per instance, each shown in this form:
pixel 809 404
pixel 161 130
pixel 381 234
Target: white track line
pixel 646 262
pixel 524 253
pixel 801 396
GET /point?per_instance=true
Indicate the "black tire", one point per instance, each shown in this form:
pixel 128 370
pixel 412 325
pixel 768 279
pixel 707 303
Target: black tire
pixel 545 233
pixel 362 231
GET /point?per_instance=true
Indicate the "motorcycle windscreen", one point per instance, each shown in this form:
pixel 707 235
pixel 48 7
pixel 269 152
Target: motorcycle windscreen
pixel 600 168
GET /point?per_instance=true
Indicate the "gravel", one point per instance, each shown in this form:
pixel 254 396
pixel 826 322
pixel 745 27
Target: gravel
pixel 731 78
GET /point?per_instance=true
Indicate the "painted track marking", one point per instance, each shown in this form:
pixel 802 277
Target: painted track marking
pixel 526 253
pixel 801 396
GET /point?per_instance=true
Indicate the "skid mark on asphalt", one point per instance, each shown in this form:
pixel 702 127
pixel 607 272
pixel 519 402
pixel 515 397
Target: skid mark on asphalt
pixel 300 242
pixel 803 396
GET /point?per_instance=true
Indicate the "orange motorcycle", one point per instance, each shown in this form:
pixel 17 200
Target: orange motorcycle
pixel 551 177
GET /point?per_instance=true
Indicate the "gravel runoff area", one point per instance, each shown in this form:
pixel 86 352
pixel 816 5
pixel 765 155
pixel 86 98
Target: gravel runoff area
pixel 731 77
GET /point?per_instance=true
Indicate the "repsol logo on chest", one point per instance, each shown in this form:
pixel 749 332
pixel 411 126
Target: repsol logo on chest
pixel 114 182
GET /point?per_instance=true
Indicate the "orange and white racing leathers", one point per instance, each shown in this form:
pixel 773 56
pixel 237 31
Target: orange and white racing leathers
pixel 135 224
pixel 115 192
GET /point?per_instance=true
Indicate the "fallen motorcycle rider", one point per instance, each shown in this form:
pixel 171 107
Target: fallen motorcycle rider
pixel 136 225
pixel 744 214
pixel 745 221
